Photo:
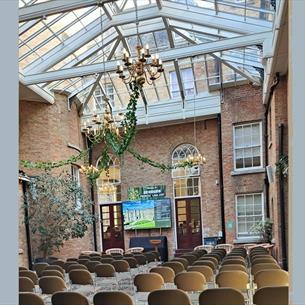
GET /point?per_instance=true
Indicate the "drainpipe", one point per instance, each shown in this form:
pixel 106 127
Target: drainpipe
pixel 92 198
pixel 27 226
pixel 282 201
pixel 267 107
pixel 222 204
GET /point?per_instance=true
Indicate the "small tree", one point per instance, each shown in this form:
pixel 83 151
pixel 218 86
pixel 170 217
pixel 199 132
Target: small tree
pixel 58 210
pixel 264 229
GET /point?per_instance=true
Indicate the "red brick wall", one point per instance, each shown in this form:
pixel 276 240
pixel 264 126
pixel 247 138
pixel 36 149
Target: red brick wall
pixel 241 104
pixel 158 144
pixel 277 115
pixel 45 131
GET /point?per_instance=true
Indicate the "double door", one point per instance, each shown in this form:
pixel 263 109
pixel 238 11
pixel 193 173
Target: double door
pixel 188 223
pixel 112 226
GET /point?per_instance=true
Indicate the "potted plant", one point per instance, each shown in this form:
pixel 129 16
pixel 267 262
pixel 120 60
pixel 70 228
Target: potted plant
pixel 264 229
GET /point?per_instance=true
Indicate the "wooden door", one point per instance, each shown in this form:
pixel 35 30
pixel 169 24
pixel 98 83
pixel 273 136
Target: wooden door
pixel 188 223
pixel 112 226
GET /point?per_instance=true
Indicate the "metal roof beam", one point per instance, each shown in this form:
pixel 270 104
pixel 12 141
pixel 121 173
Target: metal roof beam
pixel 48 8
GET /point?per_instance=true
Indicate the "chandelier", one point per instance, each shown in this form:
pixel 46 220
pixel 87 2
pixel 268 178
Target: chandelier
pixel 140 69
pixel 197 159
pixel 107 188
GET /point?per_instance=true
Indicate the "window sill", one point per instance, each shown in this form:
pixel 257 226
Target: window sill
pixel 248 171
pixel 246 240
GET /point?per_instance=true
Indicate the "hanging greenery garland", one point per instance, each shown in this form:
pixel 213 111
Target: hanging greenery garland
pixel 113 142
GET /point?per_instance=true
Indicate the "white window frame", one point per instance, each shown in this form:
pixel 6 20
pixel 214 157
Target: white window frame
pixel 261 145
pixel 185 89
pixel 98 104
pixel 76 177
pixel 236 216
pixel 110 95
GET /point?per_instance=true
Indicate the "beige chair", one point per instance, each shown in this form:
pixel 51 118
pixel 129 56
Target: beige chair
pixel 106 260
pixel 39 267
pixel 68 264
pixel 82 256
pixel 80 277
pixel 216 258
pixel 221 296
pixel 95 258
pixel 150 257
pixel 233 279
pixel 112 298
pixel 141 259
pixel 176 266
pixel 167 273
pixel 121 266
pixel 207 248
pixel 205 270
pixel 271 277
pixel 104 270
pixel 276 295
pixel 190 258
pixel 148 282
pixel 233 267
pixel 77 267
pixel 233 261
pixel 91 265
pixel 30 298
pixel 190 281
pixel 30 274
pixel 132 262
pixel 260 256
pixel 263 261
pixel 264 266
pixel 54 267
pixel 168 297
pixel 83 261
pixel 69 297
pixel 23 268
pixel 134 250
pixel 228 257
pixel 26 284
pixel 72 259
pixel 183 261
pixel 52 273
pixel 205 263
pixel 227 247
pixel 51 284
pixel 59 262
pixel 114 251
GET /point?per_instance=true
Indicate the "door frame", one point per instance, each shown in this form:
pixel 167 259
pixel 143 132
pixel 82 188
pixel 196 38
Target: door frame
pixel 101 225
pixel 175 217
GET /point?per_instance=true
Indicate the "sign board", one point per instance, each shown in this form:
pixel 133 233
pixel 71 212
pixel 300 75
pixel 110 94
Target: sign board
pixel 146 192
pixel 230 224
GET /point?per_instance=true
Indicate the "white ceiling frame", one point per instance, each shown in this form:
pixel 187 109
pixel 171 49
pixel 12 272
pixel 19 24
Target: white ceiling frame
pixel 83 87
pixel 149 12
pixel 168 55
pixel 240 61
pixel 25 27
pixel 48 8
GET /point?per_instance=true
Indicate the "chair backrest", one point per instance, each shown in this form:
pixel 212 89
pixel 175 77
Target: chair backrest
pixel 132 262
pixel 106 260
pixel 183 261
pixel 104 270
pixel 147 282
pixel 117 256
pixel 69 297
pixel 26 284
pixel 58 262
pixel 30 298
pixel 77 267
pixel 80 277
pixel 263 260
pixel 276 295
pixel 207 248
pixel 271 277
pixel 141 259
pixel 95 254
pixel 115 251
pixel 95 258
pixel 221 296
pixel 205 270
pixel 51 284
pixel 216 257
pixel 190 258
pixel 255 256
pixel 82 256
pixel 228 257
pixel 70 263
pixel 210 258
pixel 91 265
pixel 134 250
pixel 52 273
pixel 30 274
pixel 83 261
pixel 39 267
pixel 201 252
pixel 205 263
pixel 190 281
pixel 167 273
pixel 233 261
pixel 176 266
pixel 233 279
pixel 112 298
pixel 120 266
pixel 23 268
pixel 54 267
pixel 264 266
pixel 227 247
pixel 150 257
pixel 168 297
pixel 71 259
pixel 233 267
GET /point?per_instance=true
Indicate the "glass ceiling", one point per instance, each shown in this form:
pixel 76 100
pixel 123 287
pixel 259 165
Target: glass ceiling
pixel 67 50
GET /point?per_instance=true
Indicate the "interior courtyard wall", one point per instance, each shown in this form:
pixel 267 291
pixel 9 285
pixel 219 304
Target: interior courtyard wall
pixel 45 131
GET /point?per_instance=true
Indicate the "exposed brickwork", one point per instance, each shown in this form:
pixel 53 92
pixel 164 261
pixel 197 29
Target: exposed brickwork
pixel 278 115
pixel 45 131
pixel 241 104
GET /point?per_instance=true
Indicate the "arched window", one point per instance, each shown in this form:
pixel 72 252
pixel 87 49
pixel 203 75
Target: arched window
pixel 186 180
pixel 109 182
